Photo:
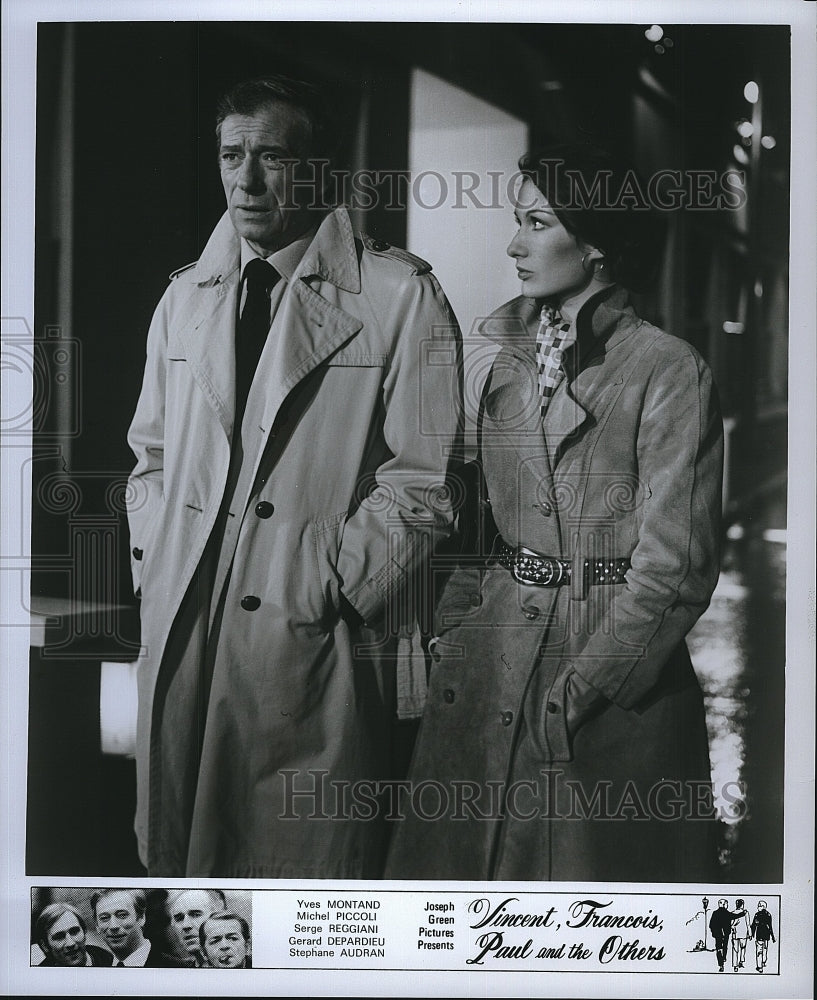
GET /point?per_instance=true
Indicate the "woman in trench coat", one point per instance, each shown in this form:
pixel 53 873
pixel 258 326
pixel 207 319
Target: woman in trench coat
pixel 564 734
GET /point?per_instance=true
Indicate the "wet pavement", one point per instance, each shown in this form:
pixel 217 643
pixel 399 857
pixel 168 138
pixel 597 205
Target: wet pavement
pixel 738 650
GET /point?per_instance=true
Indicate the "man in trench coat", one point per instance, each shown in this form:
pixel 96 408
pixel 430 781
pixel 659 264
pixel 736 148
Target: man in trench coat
pixel 274 556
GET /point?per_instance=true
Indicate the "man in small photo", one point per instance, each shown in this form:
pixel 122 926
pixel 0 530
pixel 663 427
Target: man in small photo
pixel 60 931
pixel 720 923
pixel 225 940
pixel 762 931
pixel 120 919
pixel 740 935
pixel 187 911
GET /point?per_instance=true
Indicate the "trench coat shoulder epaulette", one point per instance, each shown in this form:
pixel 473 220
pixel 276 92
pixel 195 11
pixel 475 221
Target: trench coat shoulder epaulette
pixel 383 249
pixel 180 270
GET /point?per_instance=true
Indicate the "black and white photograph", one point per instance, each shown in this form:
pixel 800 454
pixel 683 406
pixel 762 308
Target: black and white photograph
pixel 137 928
pixel 403 494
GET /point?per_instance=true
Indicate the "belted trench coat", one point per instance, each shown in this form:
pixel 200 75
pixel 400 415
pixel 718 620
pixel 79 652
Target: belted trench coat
pixel 627 464
pixel 347 438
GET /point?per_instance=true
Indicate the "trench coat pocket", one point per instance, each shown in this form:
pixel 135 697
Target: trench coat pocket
pixel 327 535
pixel 143 551
pixel 572 702
pixel 551 724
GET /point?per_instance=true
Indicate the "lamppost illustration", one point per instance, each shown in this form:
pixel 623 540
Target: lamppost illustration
pixel 705 903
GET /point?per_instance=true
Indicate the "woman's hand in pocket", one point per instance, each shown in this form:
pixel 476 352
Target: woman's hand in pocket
pixel 582 702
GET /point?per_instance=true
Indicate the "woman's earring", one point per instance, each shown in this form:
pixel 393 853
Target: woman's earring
pixel 591 271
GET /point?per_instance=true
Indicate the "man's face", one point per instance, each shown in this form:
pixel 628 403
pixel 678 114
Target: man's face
pixel 187 912
pixel 224 944
pixel 258 183
pixel 66 941
pixel 118 923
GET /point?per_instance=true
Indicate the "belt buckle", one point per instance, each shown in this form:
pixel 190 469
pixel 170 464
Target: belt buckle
pixel 528 567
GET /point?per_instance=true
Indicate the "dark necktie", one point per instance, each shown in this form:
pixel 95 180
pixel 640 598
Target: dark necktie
pixel 252 328
pixel 551 339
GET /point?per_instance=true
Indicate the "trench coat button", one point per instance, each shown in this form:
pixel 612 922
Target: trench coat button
pixel 137 554
pixel 553 707
pixel 544 509
pixel 264 509
pixel 448 695
pixel 506 718
pixel 475 600
pixel 380 245
pixel 250 602
pixel 531 612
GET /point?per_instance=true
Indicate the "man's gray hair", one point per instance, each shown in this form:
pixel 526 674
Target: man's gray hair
pixel 216 895
pixel 138 896
pixel 250 96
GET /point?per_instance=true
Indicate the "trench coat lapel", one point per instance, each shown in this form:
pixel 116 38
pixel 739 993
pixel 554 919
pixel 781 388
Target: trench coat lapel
pixel 205 341
pixel 512 420
pixel 602 326
pixel 564 417
pixel 306 330
pixel 308 327
pixel 512 407
pixel 512 402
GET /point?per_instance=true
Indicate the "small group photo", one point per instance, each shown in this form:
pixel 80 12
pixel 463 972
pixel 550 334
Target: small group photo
pixel 141 928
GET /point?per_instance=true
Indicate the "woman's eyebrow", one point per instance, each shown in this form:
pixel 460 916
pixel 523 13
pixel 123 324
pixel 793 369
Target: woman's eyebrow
pixel 529 210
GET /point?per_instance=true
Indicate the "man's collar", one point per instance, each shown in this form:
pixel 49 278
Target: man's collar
pixel 331 255
pixel 138 957
pixel 286 260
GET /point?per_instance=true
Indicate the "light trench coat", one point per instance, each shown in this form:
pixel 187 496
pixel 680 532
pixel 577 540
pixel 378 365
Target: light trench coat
pixel 348 434
pixel 627 464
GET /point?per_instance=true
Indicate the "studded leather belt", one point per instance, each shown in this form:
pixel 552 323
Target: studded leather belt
pixel 529 567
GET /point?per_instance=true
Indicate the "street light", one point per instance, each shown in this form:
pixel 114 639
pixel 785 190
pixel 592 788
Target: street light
pixel 705 902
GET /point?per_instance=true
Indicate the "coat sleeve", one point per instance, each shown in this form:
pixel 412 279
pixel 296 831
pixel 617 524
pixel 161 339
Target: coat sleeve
pixel 675 562
pixel 393 531
pixel 475 537
pixel 146 439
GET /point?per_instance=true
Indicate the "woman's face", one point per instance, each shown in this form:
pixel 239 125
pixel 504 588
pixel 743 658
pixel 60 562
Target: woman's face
pixel 548 258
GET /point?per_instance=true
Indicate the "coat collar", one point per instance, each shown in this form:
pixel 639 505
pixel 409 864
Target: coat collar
pixel 330 257
pixel 603 316
pixel 512 400
pixel 307 326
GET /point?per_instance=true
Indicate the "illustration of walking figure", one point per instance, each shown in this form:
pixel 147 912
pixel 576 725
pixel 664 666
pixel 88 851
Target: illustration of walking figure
pixel 720 923
pixel 740 934
pixel 761 931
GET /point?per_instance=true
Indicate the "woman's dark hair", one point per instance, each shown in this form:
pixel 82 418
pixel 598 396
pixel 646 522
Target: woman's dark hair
pixel 601 200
